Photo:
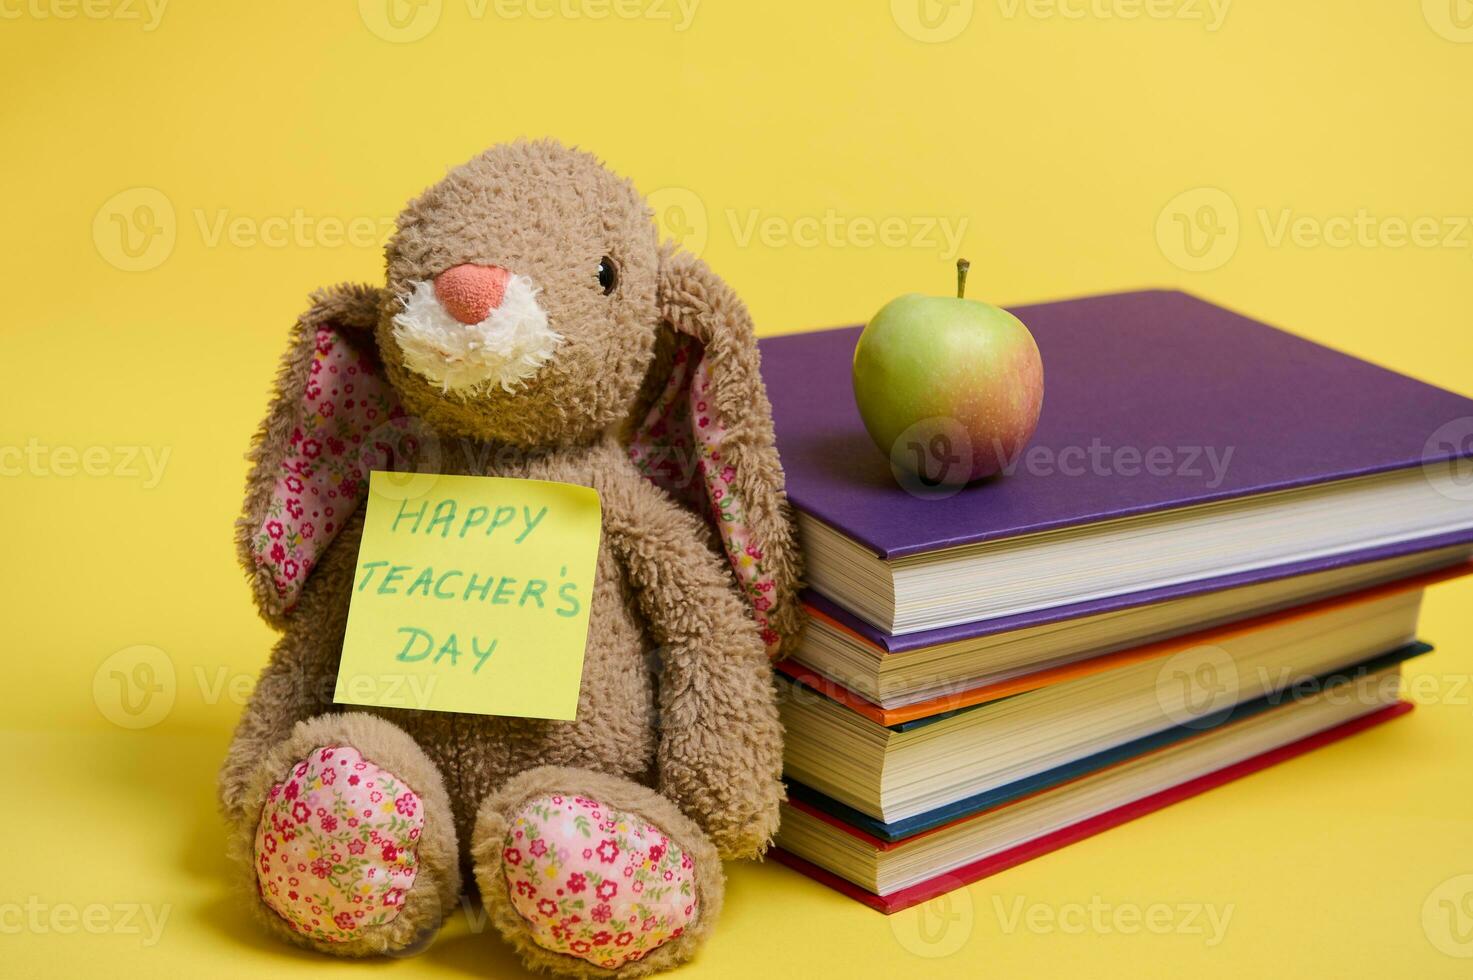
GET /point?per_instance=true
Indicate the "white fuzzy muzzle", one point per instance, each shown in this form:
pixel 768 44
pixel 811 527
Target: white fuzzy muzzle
pixel 505 349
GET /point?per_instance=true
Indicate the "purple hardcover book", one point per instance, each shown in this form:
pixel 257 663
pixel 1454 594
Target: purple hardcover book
pixel 1238 408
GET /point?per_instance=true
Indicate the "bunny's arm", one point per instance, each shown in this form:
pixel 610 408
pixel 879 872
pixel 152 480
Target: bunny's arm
pixel 720 741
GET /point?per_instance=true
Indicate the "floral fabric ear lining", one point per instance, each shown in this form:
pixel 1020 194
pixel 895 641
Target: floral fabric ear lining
pixel 679 448
pixel 323 477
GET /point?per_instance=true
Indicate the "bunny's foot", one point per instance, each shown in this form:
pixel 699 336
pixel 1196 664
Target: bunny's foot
pixel 346 839
pixel 588 874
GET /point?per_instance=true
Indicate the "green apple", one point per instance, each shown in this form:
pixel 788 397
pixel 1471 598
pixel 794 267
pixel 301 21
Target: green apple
pixel 949 388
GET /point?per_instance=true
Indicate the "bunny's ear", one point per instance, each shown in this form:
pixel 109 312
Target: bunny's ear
pixel 332 419
pixel 707 439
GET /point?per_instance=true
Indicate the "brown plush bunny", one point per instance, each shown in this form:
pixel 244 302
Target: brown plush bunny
pixel 531 326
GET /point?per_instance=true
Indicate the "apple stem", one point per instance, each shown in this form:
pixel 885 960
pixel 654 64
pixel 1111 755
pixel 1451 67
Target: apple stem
pixel 962 267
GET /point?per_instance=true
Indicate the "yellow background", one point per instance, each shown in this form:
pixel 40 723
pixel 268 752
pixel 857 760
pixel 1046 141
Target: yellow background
pixel 1060 135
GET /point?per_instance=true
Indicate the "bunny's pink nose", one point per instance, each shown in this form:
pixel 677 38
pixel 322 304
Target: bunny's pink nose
pixel 470 292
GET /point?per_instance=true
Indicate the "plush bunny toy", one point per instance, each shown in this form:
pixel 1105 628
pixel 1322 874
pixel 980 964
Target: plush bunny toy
pixel 532 326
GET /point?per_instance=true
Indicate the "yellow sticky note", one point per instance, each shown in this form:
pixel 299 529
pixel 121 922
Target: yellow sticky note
pixel 471 594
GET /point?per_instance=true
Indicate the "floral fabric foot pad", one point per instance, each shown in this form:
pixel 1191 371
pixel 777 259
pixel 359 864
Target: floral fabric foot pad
pixel 596 882
pixel 338 844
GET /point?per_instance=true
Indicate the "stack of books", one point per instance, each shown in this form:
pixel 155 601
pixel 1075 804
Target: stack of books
pixel 1210 559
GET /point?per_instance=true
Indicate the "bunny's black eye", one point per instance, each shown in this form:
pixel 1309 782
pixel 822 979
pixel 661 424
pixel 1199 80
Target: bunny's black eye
pixel 608 274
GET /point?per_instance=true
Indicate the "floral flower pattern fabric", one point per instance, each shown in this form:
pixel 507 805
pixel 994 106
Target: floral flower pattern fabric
pixel 338 844
pixel 596 882
pixel 349 422
pixel 679 448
